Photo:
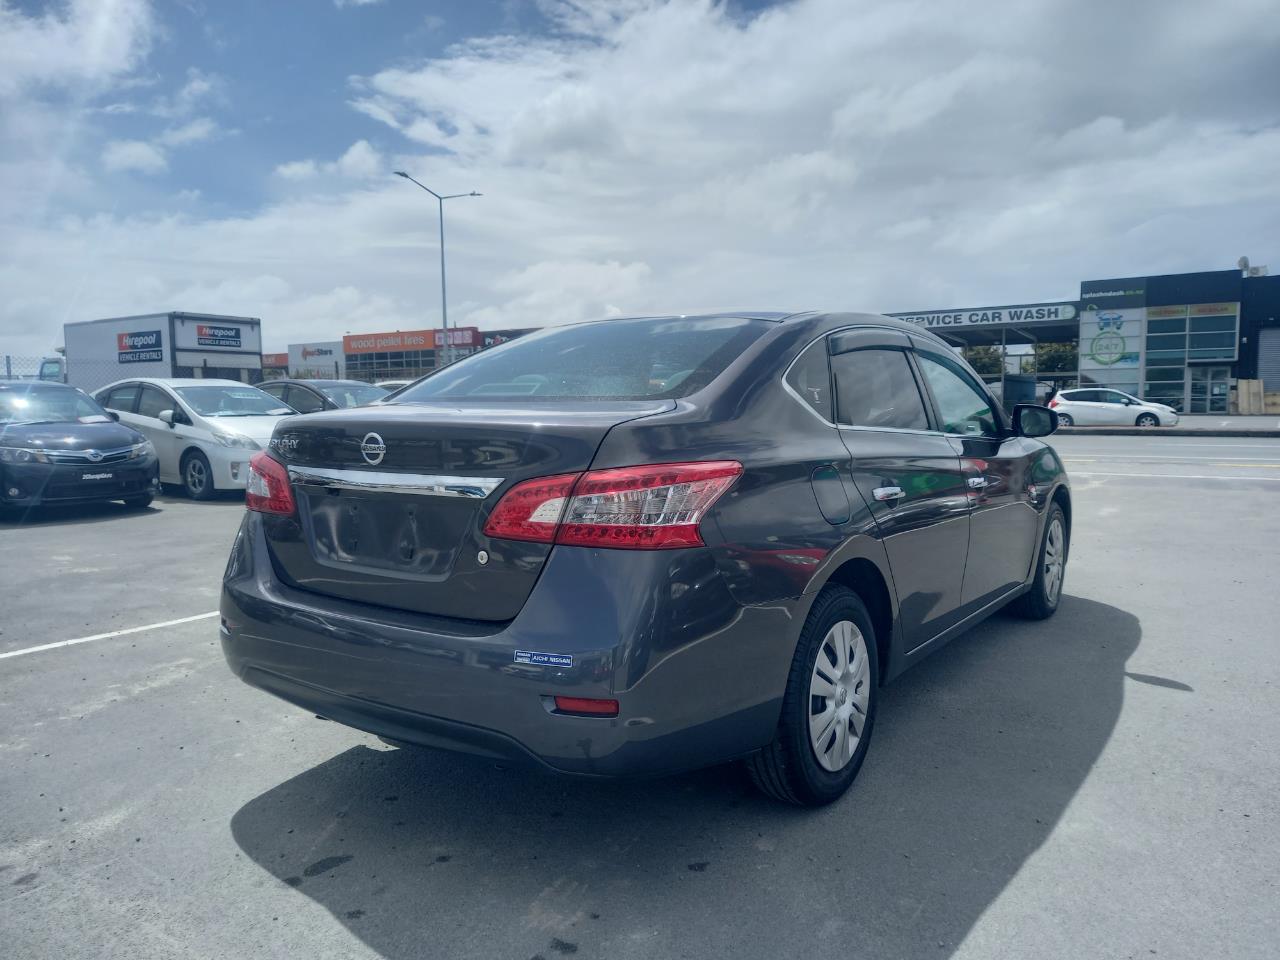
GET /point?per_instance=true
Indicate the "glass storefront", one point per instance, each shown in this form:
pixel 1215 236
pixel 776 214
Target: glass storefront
pixel 1179 342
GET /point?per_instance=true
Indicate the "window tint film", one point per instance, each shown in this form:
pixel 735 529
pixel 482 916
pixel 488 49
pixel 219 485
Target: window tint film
pixel 152 402
pixel 303 400
pixel 610 360
pixel 810 377
pixel 121 398
pixel 875 388
pixel 963 407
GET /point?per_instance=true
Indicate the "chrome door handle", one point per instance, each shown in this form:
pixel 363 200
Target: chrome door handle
pixel 977 483
pixel 887 493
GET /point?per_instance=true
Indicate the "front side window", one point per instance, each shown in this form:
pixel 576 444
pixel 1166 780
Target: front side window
pixel 963 407
pixel 353 394
pixel 876 388
pixel 611 360
pixel 152 401
pixel 121 397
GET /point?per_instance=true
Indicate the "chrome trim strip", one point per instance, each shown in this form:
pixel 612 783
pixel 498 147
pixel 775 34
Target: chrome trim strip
pixel 59 455
pixel 416 484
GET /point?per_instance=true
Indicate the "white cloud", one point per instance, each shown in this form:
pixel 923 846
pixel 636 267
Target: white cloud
pixel 134 155
pixel 81 42
pixel 354 3
pixel 360 162
pixel 197 131
pixel 648 157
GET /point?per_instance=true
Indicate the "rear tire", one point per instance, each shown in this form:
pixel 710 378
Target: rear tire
pixel 138 503
pixel 790 768
pixel 1041 601
pixel 1147 420
pixel 197 476
pixel 1066 420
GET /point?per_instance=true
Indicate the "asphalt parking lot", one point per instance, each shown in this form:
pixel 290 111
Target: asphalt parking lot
pixel 1103 784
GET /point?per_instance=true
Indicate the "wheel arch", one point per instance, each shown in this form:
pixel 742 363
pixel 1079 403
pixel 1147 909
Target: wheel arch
pixel 864 578
pixel 1062 497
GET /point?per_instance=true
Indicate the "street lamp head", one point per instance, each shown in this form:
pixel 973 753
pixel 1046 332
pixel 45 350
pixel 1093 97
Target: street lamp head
pixel 401 173
pixel 474 194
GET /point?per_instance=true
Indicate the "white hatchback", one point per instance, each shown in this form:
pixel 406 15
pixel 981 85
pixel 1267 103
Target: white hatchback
pixel 1100 406
pixel 204 431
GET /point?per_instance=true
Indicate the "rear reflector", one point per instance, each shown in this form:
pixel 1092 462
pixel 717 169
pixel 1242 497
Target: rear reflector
pixel 653 507
pixel 587 707
pixel 267 487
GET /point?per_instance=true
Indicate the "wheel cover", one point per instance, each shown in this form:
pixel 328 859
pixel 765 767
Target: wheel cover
pixel 1147 420
pixel 839 694
pixel 1054 559
pixel 196 476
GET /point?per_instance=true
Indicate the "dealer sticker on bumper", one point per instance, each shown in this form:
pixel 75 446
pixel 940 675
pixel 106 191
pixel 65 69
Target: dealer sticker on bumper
pixel 544 659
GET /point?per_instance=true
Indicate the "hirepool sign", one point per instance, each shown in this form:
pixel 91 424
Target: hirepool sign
pixel 1007 316
pixel 140 347
pixel 217 335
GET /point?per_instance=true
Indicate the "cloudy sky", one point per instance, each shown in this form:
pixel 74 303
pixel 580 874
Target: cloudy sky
pixel 637 156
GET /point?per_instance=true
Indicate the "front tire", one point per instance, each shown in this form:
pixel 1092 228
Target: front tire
pixel 1041 601
pixel 829 707
pixel 1066 420
pixel 138 503
pixel 197 476
pixel 1147 420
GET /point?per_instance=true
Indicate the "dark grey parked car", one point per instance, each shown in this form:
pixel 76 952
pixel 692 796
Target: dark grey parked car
pixel 640 546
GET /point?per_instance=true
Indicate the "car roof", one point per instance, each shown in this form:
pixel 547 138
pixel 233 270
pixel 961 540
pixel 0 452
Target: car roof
pixel 35 385
pixel 319 383
pixel 181 382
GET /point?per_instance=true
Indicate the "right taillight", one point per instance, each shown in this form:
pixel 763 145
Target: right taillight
pixel 267 489
pixel 1053 403
pixel 652 507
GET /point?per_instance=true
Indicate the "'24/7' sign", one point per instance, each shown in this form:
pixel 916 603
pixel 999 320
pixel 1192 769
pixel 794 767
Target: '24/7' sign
pixel 217 335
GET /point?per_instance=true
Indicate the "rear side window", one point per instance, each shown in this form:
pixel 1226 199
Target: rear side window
pixel 810 378
pixel 610 360
pixel 876 388
pixel 303 400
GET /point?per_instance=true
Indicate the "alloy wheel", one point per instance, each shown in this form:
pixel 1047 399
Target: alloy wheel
pixel 1054 560
pixel 839 692
pixel 196 475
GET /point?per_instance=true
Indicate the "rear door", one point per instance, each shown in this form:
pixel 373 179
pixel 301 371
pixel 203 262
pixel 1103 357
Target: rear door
pixel 907 472
pixel 1087 408
pixel 1003 522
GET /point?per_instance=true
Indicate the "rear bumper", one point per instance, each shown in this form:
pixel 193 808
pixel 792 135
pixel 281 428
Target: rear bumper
pixel 33 484
pixel 699 679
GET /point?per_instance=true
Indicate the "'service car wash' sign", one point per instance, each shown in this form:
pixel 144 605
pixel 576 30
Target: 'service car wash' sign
pixel 139 347
pixel 217 335
pixel 993 316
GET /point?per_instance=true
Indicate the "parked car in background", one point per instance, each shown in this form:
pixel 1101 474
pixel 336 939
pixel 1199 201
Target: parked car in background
pixel 204 431
pixel 57 445
pixel 645 545
pixel 308 396
pixel 1097 406
pixel 392 384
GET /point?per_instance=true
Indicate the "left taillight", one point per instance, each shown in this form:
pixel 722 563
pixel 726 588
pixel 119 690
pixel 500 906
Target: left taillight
pixel 267 489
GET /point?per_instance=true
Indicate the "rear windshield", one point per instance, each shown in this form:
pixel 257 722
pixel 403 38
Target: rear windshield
pixel 610 360
pixel 353 394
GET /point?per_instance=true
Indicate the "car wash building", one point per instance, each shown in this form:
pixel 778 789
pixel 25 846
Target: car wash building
pixel 1181 339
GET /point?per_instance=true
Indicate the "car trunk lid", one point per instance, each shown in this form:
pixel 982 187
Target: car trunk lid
pixel 392 499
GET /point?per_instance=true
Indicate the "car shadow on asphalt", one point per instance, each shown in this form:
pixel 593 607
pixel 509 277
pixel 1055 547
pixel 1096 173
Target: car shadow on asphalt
pixel 103 511
pixel 977 753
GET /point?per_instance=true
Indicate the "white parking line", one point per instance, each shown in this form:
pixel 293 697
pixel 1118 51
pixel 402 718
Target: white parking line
pixel 1171 476
pixel 108 636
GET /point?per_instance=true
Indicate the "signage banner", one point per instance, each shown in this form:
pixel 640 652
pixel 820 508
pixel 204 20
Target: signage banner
pixel 275 359
pixel 993 316
pixel 217 335
pixel 140 347
pixel 1111 339
pixel 396 342
pixel 1130 292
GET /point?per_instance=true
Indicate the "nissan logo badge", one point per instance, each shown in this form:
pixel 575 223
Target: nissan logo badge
pixel 373 449
pixel 93 455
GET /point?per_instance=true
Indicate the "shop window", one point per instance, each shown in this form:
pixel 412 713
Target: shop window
pixel 1173 325
pixel 1166 342
pixel 1166 373
pixel 1166 358
pixel 1207 324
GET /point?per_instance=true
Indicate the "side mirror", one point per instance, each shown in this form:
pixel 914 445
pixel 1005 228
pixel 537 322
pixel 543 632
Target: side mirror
pixel 167 417
pixel 113 415
pixel 1033 420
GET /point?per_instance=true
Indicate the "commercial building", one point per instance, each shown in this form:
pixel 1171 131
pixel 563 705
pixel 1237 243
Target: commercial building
pixel 1181 339
pixel 325 359
pixel 403 354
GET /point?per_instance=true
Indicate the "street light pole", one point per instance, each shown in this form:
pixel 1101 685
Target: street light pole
pixel 444 299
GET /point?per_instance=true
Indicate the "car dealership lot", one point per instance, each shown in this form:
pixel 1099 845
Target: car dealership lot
pixel 1101 784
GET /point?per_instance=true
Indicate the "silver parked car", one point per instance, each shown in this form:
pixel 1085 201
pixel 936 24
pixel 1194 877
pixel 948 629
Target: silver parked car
pixel 204 431
pixel 1101 406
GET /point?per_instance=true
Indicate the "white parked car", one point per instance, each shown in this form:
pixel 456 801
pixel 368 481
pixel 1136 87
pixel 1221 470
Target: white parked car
pixel 204 431
pixel 1098 406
